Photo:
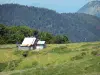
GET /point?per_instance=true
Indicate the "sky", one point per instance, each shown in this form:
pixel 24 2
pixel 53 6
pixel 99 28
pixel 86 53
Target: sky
pixel 61 6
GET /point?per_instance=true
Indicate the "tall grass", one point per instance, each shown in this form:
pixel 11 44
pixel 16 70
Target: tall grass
pixel 56 59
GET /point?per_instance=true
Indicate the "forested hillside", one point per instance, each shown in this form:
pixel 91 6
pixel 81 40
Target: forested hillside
pixel 78 27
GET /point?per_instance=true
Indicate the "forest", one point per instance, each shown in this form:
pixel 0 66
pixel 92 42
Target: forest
pixel 13 34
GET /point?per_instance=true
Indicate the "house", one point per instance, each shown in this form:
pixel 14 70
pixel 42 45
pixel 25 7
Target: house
pixel 31 43
pixel 28 43
pixel 40 45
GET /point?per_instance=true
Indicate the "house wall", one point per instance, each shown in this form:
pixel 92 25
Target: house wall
pixel 40 47
pixel 25 48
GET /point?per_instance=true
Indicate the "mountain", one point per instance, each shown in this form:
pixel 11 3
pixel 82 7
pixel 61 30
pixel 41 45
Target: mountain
pixel 82 27
pixel 78 27
pixel 92 8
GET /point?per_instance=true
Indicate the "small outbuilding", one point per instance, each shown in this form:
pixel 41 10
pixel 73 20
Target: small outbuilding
pixel 40 45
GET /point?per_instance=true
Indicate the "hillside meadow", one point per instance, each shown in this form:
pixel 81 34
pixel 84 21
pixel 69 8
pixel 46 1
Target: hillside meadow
pixel 56 59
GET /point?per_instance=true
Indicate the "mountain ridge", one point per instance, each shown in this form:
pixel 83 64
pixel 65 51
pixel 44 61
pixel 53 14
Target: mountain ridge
pixel 92 8
pixel 77 26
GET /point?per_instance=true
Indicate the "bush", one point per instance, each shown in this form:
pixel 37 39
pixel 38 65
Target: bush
pixel 2 66
pixel 77 57
pixel 35 63
pixel 94 52
pixel 2 40
pixel 83 53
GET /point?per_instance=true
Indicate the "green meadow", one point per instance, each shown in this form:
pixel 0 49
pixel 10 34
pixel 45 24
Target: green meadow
pixel 56 59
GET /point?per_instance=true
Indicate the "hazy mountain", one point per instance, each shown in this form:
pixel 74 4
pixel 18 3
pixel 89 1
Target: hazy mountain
pixel 92 8
pixel 78 27
pixel 83 27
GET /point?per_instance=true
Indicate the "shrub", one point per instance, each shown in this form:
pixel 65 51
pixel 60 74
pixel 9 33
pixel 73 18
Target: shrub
pixel 80 56
pixel 94 52
pixel 48 64
pixel 25 54
pixel 2 66
pixel 83 53
pixel 85 49
pixel 35 63
pixel 77 57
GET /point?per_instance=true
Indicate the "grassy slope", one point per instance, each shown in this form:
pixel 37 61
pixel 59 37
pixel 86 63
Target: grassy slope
pixel 65 59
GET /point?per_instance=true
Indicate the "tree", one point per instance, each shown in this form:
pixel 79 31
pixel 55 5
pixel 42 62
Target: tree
pixel 60 39
pixel 2 30
pixel 15 34
pixel 46 36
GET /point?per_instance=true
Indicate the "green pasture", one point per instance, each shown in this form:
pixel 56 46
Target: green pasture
pixel 57 59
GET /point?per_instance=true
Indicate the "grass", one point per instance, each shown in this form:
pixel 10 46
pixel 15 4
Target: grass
pixel 56 59
pixel 6 53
